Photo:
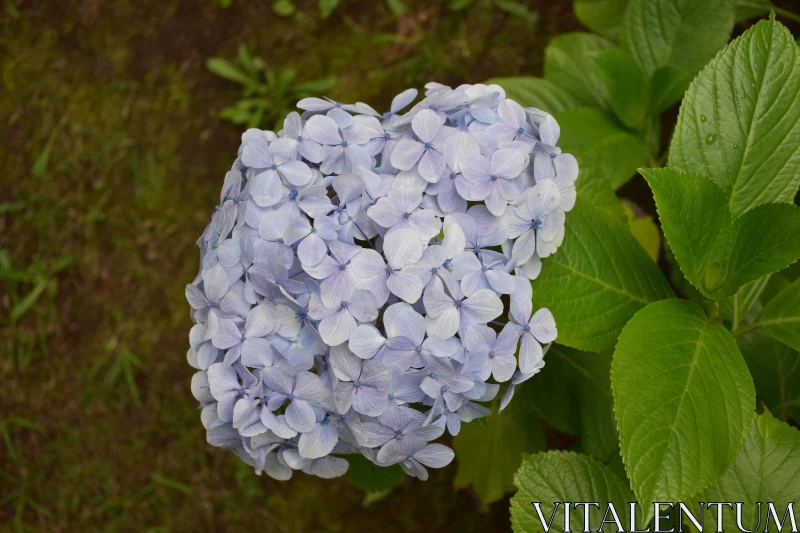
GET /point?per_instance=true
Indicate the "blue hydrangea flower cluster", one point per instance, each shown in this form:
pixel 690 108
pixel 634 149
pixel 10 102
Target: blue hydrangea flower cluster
pixel 354 270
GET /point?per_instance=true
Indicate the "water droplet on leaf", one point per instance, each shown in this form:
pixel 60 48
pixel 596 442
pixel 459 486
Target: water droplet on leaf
pixel 703 118
pixel 711 138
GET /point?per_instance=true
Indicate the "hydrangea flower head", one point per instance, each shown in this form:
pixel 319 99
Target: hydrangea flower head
pixel 365 281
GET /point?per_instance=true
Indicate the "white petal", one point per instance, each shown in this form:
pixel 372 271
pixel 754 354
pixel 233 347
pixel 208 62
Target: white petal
pixel 402 247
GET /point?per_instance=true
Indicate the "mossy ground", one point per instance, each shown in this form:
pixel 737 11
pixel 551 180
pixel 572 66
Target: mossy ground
pixel 111 158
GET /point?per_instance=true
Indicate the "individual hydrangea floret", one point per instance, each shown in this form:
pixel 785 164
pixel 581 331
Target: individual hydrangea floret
pixel 365 280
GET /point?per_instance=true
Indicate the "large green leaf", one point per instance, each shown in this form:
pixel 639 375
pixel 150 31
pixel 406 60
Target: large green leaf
pixel 529 91
pixel 695 221
pixel 750 9
pixel 740 120
pixel 628 86
pixel 745 303
pixel 667 87
pixel 573 394
pixel 682 33
pixel 568 64
pixel 775 368
pixel 767 469
pixel 765 241
pixel 683 400
pixel 593 185
pixel 601 143
pixel 565 477
pixel 781 316
pixel 716 255
pixel 601 16
pixel 597 280
pixel 489 454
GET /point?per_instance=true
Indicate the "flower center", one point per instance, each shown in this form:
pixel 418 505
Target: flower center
pixel 493 178
pixel 344 305
pixel 536 223
pixel 418 349
pixel 521 130
pixel 344 144
pixel 427 145
pixel 491 355
pixel 299 138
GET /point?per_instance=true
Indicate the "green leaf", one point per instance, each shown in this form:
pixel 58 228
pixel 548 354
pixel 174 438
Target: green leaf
pixel 565 477
pixel 745 302
pixel 766 241
pixel 225 69
pixel 682 33
pixel 666 88
pixel 715 255
pixel 678 280
pixel 528 91
pixel 601 16
pixel 397 7
pixel 683 400
pixel 319 85
pixel 776 284
pixel 489 454
pixel 369 477
pixel 568 64
pixel 781 316
pixel 775 368
pixel 740 120
pixel 601 143
pixel 695 221
pixel 598 279
pixel 592 185
pixel 22 307
pixel 573 394
pixel 767 469
pixel 518 10
pixel 628 87
pixel 751 9
pixel 327 7
pixel 283 8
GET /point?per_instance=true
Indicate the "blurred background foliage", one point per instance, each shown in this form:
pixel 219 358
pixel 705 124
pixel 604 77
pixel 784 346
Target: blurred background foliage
pixel 118 120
